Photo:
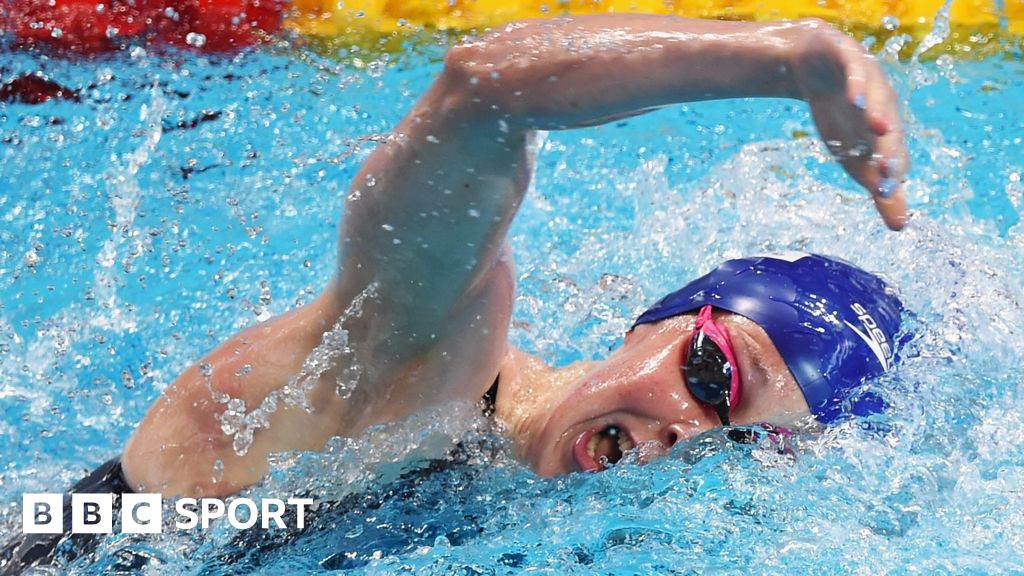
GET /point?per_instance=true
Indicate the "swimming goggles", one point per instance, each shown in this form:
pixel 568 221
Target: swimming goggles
pixel 710 369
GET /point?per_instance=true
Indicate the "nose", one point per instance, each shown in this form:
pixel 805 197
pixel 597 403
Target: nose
pixel 674 433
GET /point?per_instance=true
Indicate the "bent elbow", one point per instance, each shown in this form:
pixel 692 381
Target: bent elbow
pixel 471 81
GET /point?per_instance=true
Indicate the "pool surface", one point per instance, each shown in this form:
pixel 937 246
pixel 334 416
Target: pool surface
pixel 181 197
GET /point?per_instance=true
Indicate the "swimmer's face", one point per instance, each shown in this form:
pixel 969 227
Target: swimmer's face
pixel 637 399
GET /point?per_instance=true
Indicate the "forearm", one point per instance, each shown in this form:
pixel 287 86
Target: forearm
pixel 186 442
pixel 551 74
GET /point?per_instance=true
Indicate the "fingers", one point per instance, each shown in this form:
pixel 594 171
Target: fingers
pixel 857 114
pixel 892 209
pixel 883 176
pixel 878 124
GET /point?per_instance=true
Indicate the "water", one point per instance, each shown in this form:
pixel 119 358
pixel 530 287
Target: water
pixel 186 197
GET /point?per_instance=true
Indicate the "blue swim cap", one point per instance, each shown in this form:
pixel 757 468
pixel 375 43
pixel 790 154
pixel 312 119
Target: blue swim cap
pixel 832 322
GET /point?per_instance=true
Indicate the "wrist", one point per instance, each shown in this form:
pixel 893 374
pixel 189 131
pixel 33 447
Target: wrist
pixel 812 46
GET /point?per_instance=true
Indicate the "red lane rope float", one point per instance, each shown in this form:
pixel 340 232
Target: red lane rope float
pixel 94 26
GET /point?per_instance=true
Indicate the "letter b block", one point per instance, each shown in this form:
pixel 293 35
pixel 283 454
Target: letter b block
pixel 42 513
pixel 92 513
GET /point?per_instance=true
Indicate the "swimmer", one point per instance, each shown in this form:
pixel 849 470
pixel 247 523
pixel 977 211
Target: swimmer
pixel 779 339
pixel 422 246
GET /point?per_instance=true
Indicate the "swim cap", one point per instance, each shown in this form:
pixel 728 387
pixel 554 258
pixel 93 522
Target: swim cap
pixel 832 322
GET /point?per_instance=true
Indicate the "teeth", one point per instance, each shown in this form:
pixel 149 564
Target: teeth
pixel 624 442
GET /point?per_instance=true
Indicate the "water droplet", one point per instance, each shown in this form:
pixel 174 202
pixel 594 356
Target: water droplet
pixel 56 33
pixel 375 69
pixel 890 23
pixel 432 139
pixel 243 370
pixel 206 369
pixel 195 39
pixel 264 293
pixel 371 181
pixel 388 227
pixel 503 126
pixel 31 258
pixel 473 213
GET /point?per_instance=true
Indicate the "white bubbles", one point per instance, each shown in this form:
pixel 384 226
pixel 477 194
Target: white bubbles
pixel 375 69
pixel 31 258
pixel 195 39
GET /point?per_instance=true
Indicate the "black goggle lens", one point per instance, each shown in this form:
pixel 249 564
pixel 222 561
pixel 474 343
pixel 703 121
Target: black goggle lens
pixel 708 375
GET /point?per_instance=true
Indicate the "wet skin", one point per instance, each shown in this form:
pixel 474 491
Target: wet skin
pixel 427 249
pixel 638 390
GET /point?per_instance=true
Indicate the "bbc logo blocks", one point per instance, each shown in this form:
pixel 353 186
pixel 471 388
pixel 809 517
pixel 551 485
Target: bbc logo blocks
pixel 143 513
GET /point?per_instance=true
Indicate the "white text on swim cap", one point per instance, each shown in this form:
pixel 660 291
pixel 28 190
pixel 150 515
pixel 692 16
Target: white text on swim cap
pixel 874 337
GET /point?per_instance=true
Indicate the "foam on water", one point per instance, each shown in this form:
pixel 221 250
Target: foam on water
pixel 210 188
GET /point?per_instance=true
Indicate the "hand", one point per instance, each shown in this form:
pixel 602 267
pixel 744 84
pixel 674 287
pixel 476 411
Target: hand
pixel 857 114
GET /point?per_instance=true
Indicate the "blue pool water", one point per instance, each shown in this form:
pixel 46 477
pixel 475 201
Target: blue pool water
pixel 185 197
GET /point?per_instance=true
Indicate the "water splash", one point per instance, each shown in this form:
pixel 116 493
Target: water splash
pixel 242 424
pixel 921 76
pixel 125 242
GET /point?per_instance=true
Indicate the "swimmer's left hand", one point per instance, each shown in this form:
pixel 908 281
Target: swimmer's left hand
pixel 857 113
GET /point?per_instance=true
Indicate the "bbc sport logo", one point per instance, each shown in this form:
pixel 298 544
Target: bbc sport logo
pixel 144 513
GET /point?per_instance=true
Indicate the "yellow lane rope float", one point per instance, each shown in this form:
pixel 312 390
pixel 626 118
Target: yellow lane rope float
pixel 328 18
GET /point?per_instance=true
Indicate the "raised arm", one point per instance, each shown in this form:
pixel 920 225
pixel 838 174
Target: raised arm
pixel 422 236
pixel 430 208
pixel 461 147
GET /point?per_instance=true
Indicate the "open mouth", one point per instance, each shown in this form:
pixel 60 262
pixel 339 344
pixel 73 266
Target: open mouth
pixel 596 450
